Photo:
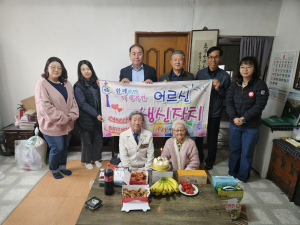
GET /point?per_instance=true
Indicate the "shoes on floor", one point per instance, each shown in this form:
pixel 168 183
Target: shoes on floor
pixel 89 166
pixel 66 172
pixel 239 181
pixel 57 175
pixel 209 167
pixel 98 164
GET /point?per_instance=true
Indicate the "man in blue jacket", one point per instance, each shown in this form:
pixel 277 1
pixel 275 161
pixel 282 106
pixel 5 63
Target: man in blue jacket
pixel 137 71
pixel 221 83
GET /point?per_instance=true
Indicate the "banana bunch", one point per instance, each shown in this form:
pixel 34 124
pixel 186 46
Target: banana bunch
pixel 166 185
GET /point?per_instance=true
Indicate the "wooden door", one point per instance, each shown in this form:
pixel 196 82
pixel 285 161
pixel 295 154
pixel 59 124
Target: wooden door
pixel 158 48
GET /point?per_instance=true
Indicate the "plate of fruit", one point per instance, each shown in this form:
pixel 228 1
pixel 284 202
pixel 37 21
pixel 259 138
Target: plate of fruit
pixel 188 189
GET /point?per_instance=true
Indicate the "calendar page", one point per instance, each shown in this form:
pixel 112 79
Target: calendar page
pixel 283 68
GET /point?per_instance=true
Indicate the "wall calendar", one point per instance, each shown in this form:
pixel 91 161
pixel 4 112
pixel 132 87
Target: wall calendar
pixel 282 72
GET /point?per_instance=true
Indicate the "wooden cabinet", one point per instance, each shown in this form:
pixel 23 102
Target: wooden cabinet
pixel 12 133
pixel 284 168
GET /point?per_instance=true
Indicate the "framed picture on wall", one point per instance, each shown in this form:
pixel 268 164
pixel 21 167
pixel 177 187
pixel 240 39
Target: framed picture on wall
pixel 297 76
pixel 201 41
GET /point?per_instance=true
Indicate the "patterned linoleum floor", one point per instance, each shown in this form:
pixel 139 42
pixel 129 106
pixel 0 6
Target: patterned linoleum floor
pixel 265 202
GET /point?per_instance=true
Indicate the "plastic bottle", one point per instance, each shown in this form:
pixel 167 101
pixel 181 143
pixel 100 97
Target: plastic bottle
pixel 108 180
pixel 17 123
pixel 36 131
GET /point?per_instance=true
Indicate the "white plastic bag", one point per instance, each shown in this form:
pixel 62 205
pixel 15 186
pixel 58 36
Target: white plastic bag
pixel 31 154
pixel 28 157
pixel 39 144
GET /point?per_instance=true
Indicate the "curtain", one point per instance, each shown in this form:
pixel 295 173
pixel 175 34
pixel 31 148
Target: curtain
pixel 260 47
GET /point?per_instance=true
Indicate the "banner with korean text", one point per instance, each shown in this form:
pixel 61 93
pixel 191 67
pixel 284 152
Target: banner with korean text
pixel 162 104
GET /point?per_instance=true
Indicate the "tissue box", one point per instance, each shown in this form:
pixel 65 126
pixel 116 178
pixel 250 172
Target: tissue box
pixel 223 181
pixel 193 176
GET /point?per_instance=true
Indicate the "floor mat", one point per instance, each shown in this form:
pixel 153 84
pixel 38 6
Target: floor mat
pixel 56 201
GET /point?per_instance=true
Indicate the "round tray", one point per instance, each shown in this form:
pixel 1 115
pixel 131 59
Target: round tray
pixel 184 193
pixel 153 167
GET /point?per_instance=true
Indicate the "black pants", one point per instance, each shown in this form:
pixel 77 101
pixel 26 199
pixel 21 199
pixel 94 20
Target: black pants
pixel 213 128
pixel 91 145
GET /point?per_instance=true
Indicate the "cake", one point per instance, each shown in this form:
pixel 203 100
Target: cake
pixel 161 163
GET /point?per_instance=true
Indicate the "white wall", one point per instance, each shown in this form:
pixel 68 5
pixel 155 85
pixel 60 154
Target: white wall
pixel 101 31
pixel 287 39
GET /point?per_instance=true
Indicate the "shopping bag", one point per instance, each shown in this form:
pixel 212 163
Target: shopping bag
pixel 29 158
pixel 39 144
pixel 32 153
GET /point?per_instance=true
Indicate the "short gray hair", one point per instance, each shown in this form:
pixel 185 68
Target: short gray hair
pixel 135 112
pixel 179 122
pixel 178 52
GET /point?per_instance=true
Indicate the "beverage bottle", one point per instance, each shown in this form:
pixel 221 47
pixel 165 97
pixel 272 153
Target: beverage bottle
pixel 17 123
pixel 108 180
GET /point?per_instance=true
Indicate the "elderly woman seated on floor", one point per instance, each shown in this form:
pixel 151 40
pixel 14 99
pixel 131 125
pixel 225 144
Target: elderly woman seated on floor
pixel 180 149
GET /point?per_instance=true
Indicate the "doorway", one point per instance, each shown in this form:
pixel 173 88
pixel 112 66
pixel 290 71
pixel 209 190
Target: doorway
pixel 230 63
pixel 231 54
pixel 159 46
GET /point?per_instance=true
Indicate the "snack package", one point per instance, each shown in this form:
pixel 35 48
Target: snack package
pixel 119 173
pixel 231 197
pixel 193 176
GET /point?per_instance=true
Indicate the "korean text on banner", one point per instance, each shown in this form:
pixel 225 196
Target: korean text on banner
pixel 162 104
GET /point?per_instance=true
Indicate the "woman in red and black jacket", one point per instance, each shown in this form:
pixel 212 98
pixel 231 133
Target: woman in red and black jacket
pixel 246 98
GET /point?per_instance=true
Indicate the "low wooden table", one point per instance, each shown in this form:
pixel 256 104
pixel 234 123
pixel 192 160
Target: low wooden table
pixel 12 133
pixel 204 208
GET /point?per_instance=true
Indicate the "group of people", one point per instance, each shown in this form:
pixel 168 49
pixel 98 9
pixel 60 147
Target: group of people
pixel 58 108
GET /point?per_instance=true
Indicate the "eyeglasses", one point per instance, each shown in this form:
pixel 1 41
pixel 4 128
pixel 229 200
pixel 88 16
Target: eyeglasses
pixel 139 121
pixel 177 131
pixel 211 58
pixel 56 68
pixel 245 67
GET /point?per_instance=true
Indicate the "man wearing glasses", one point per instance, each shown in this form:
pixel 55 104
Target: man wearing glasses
pixel 221 83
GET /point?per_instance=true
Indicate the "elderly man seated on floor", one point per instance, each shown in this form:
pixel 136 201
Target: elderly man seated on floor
pixel 180 149
pixel 136 144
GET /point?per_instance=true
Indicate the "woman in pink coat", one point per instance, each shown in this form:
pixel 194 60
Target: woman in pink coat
pixel 180 149
pixel 56 112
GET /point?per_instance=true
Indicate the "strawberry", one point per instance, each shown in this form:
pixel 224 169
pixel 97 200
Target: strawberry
pixel 189 184
pixel 187 190
pixel 183 189
pixel 191 192
pixel 192 188
pixel 184 183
